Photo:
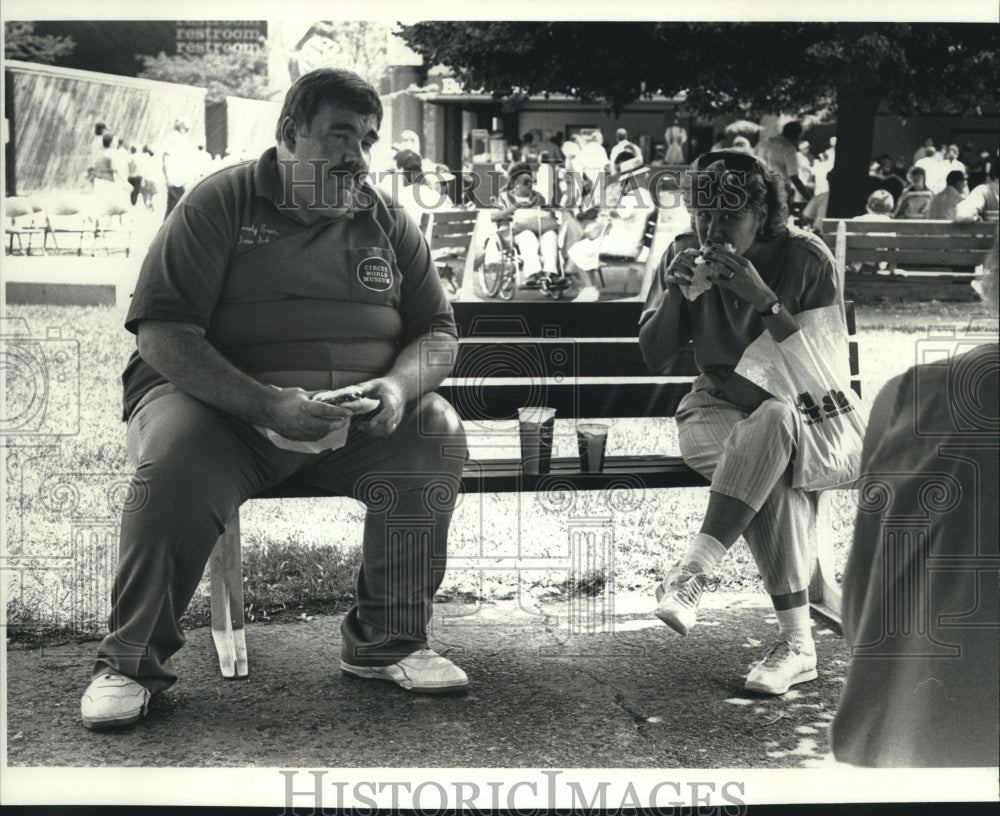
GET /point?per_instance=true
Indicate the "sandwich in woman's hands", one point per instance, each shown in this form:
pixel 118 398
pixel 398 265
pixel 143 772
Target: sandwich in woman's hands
pixel 701 281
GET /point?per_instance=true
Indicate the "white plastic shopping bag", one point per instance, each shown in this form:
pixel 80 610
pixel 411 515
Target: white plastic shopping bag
pixel 810 371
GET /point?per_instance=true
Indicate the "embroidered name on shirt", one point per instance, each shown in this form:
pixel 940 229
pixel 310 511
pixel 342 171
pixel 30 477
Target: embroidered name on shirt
pixel 257 234
pixel 375 274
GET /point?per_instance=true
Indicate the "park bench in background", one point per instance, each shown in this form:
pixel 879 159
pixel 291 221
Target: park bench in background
pixel 24 219
pixel 926 259
pixel 633 266
pixel 449 234
pixel 581 359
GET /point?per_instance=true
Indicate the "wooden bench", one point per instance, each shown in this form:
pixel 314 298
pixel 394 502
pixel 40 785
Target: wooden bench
pixel 449 234
pixel 942 254
pixel 636 265
pixel 583 360
pixel 24 218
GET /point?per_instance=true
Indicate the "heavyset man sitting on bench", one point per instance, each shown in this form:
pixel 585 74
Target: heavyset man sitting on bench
pixel 272 281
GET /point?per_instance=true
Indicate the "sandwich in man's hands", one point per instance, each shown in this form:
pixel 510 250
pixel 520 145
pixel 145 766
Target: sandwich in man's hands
pixel 350 398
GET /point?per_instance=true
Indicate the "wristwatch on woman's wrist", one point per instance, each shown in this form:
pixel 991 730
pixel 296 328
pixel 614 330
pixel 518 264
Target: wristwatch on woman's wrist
pixel 771 310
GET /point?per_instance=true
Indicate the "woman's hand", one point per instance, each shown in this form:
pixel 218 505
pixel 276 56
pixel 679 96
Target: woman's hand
pixel 681 268
pixel 739 276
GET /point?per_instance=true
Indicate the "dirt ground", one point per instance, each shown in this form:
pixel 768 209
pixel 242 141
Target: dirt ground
pixel 634 696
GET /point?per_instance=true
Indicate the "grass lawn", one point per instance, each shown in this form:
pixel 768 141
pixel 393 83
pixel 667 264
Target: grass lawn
pixel 66 479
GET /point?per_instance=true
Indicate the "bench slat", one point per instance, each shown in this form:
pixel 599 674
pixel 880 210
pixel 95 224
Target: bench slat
pixel 635 472
pixel 504 476
pixel 566 358
pixel 920 243
pixel 904 257
pixel 548 319
pixel 908 226
pixel 493 400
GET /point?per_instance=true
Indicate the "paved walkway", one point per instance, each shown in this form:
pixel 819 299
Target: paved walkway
pixel 635 696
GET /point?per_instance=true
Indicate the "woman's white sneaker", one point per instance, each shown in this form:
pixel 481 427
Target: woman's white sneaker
pixel 783 666
pixel 423 671
pixel 679 596
pixel 113 700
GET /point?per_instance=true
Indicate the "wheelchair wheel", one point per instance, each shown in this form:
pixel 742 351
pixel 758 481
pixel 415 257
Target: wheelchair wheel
pixel 492 276
pixel 508 283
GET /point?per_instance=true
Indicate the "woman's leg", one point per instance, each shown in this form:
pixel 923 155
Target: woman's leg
pixel 751 496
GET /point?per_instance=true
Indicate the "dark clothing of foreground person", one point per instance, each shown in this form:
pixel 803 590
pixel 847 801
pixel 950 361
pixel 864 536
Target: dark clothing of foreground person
pixel 921 608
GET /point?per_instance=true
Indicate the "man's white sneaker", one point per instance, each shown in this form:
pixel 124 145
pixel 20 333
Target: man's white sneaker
pixel 423 671
pixel 113 700
pixel 783 666
pixel 679 596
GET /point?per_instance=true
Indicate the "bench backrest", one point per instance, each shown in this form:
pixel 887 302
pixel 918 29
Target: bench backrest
pixel 954 244
pixel 582 359
pixel 449 228
pixel 648 234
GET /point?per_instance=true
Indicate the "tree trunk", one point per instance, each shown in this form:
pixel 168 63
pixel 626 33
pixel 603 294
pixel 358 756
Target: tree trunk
pixel 856 108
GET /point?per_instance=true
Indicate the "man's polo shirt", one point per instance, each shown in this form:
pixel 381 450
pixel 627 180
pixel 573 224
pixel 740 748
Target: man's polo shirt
pixel 329 304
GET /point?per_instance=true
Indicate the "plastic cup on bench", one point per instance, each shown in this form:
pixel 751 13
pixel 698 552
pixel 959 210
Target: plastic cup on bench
pixel 592 441
pixel 536 426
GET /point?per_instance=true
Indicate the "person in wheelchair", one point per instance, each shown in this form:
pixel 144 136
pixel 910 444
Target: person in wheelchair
pixel 535 229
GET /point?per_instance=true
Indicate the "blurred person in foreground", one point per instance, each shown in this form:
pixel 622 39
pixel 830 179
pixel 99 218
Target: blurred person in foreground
pixel 272 281
pixel 761 273
pixel 921 610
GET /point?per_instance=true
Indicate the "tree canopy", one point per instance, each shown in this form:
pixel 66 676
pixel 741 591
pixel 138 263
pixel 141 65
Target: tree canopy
pixel 22 43
pixel 744 69
pixel 236 73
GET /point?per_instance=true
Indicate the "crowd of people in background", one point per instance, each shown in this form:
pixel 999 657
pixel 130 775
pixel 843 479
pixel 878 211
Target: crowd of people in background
pixel 548 171
pixel 126 178
pixel 950 184
pixel 558 173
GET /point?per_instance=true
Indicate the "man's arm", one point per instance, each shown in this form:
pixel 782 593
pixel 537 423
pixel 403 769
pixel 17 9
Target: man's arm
pixel 971 207
pixel 421 366
pixel 804 191
pixel 180 352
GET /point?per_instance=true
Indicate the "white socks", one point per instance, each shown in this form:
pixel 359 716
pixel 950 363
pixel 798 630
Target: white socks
pixel 795 627
pixel 705 551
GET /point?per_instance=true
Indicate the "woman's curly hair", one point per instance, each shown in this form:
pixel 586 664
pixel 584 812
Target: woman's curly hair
pixel 761 189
